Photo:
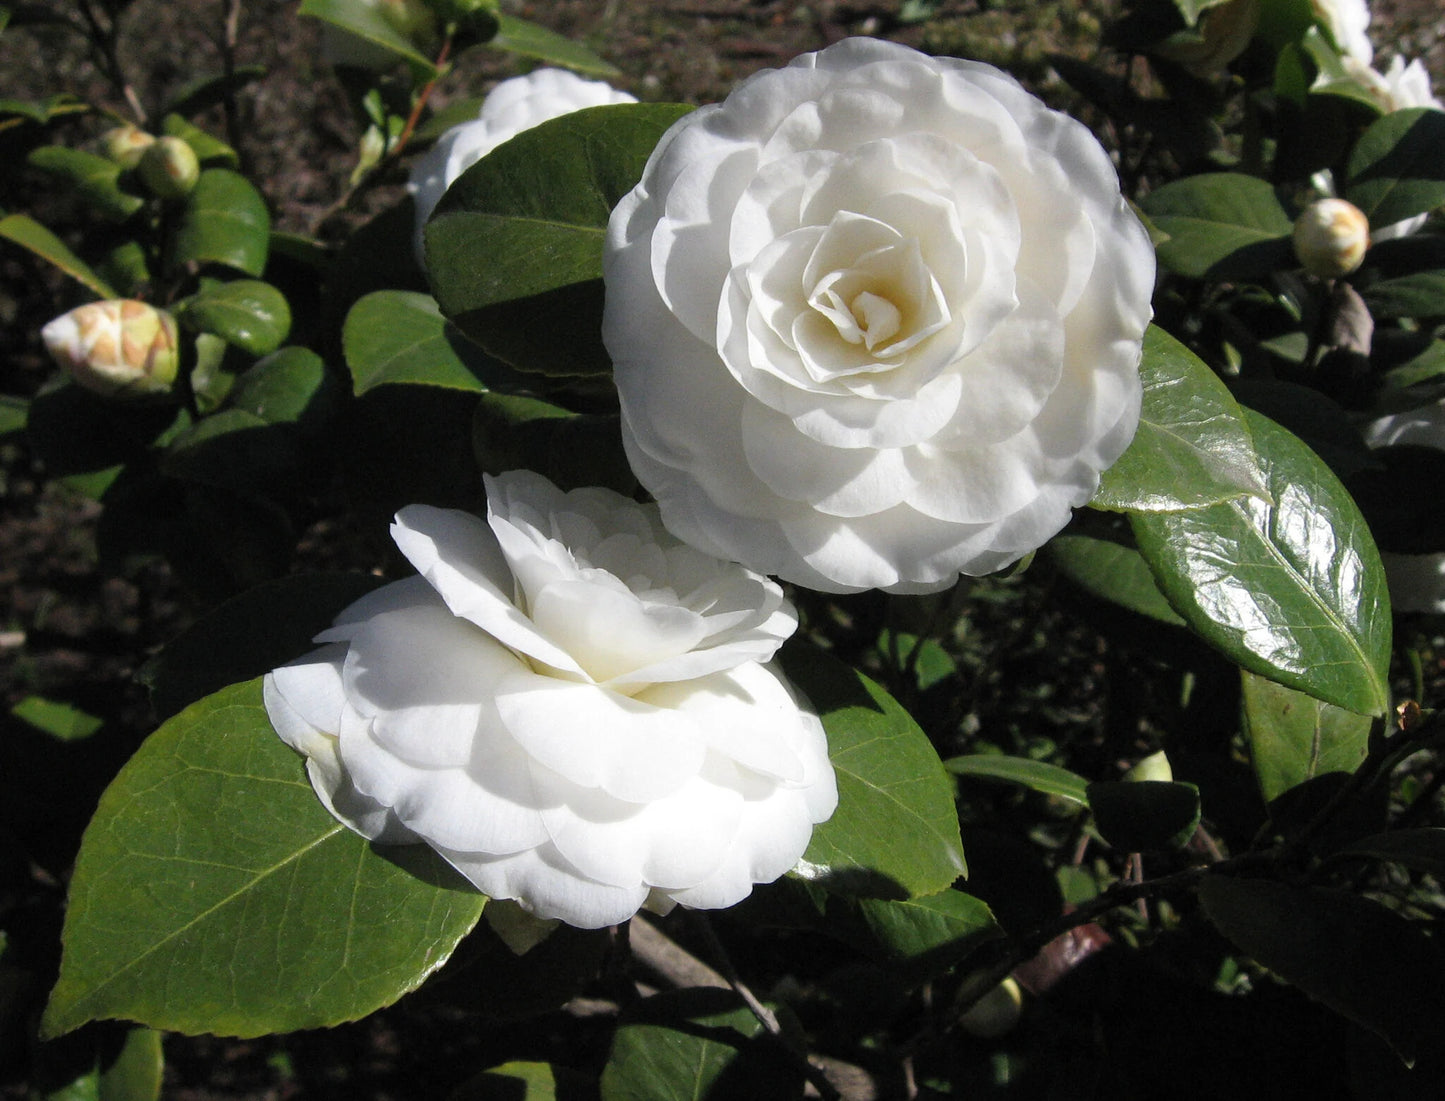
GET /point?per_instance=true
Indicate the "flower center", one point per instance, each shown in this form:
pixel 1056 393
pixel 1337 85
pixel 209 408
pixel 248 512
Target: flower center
pixel 868 319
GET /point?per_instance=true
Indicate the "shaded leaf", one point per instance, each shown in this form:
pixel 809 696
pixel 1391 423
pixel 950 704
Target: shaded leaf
pixel 214 893
pixel 1192 448
pixel 1144 815
pixel 1112 572
pixel 1038 776
pixel 895 832
pixel 224 222
pixel 1293 590
pixel 1421 850
pixel 209 150
pixel 95 178
pixel 695 1043
pixel 248 313
pixel 1221 225
pixel 945 927
pixel 395 336
pixel 367 22
pixel 1360 959
pixel 289 386
pixel 29 234
pixel 573 450
pixel 522 37
pixel 1395 169
pixel 1294 737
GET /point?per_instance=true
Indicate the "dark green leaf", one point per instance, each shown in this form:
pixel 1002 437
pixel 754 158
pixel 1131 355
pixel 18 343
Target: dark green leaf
pixel 1192 448
pixel 1112 572
pixel 521 37
pixel 62 721
pixel 1360 959
pixel 895 832
pixel 1421 850
pixel 514 248
pixel 1294 737
pixel 945 927
pixel 250 314
pixel 209 150
pixel 14 412
pixel 29 234
pixel 401 337
pixel 1221 225
pixel 76 432
pixel 573 450
pixel 520 1081
pixel 1421 294
pixel 100 1064
pixel 214 893
pixel 95 178
pixel 367 23
pixel 1144 815
pixel 249 635
pixel 1322 423
pixel 696 1043
pixel 127 269
pixel 1396 170
pixel 289 386
pixel 224 222
pixel 1293 590
pixel 1038 776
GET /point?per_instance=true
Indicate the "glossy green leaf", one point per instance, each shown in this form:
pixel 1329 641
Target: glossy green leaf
pixel 1221 225
pixel 514 248
pixel 1293 590
pixel 696 1043
pixel 1363 961
pixel 1421 849
pixel 289 386
pixel 573 450
pixel 1294 737
pixel 367 22
pixel 522 37
pixel 1038 776
pixel 1144 815
pixel 95 178
pixel 210 151
pixel 249 635
pixel 214 893
pixel 252 315
pixel 401 337
pixel 944 927
pixel 1395 170
pixel 62 721
pixel 127 268
pixel 895 832
pixel 1192 447
pixel 1112 572
pixel 224 221
pixel 29 234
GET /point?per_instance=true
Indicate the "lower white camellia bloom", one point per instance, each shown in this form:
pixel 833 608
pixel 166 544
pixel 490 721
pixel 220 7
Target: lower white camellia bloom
pixel 569 705
pixel 1417 581
pixel 876 320
pixel 512 106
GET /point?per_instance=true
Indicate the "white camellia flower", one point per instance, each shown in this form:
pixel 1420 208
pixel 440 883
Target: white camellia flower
pixel 569 705
pixel 512 106
pixel 1400 86
pixel 1347 22
pixel 1417 581
pixel 876 320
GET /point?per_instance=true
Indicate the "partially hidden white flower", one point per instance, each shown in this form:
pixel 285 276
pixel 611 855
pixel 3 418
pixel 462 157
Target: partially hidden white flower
pixel 512 106
pixel 875 320
pixel 569 705
pixel 1400 86
pixel 1347 22
pixel 1417 581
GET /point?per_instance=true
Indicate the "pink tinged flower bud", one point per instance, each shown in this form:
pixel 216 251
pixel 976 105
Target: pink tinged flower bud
pixel 126 144
pixel 121 347
pixel 1330 238
pixel 169 168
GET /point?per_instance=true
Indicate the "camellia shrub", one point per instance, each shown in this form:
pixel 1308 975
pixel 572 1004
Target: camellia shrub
pixel 732 456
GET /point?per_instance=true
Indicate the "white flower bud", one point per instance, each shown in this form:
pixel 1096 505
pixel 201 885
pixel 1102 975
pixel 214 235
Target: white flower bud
pixel 1330 238
pixel 169 167
pixel 121 347
pixel 125 144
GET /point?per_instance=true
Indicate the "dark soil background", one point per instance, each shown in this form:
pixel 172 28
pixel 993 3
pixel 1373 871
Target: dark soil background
pixel 76 630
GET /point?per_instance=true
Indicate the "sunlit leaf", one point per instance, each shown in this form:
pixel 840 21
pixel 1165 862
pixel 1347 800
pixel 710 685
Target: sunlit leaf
pixel 1294 737
pixel 1038 776
pixel 252 315
pixel 945 927
pixel 1395 169
pixel 1293 590
pixel 531 40
pixel 1221 225
pixel 62 721
pixel 401 337
pixel 95 178
pixel 367 22
pixel 214 893
pixel 1192 447
pixel 29 234
pixel 224 221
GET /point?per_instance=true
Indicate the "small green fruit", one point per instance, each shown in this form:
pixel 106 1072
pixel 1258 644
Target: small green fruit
pixel 169 168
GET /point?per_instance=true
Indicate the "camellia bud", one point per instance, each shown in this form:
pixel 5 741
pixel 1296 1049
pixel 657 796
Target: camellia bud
pixel 169 168
pixel 1330 238
pixel 1223 33
pixel 121 347
pixel 995 1013
pixel 1153 767
pixel 125 144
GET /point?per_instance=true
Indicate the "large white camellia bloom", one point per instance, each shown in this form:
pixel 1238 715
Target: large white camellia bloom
pixel 1347 22
pixel 512 106
pixel 569 705
pixel 1417 581
pixel 876 320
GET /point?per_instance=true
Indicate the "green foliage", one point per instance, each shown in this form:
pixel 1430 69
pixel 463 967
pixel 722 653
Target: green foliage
pixel 30 234
pixel 224 222
pixel 1394 170
pixel 531 40
pixel 1294 737
pixel 164 906
pixel 1220 225
pixel 400 337
pixel 252 315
